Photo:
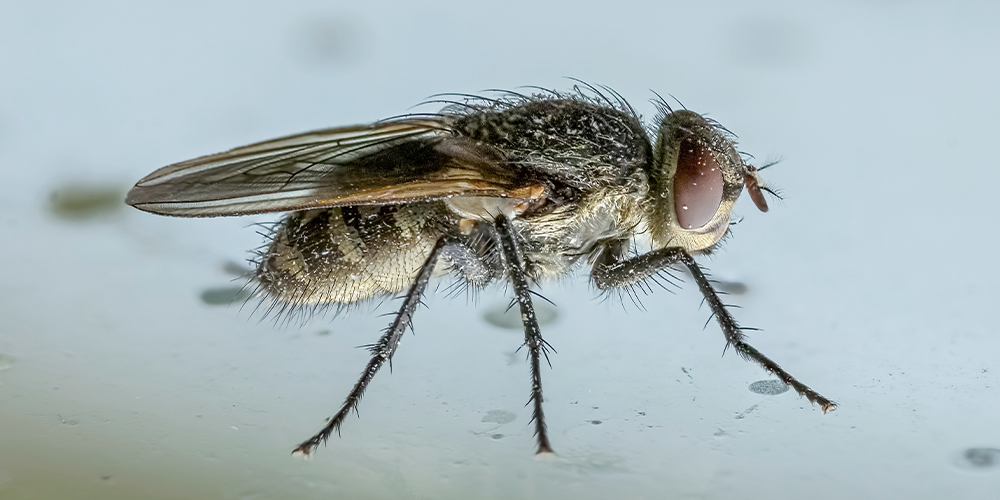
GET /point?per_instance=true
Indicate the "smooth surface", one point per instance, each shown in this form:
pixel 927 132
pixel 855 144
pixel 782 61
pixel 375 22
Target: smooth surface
pixel 122 376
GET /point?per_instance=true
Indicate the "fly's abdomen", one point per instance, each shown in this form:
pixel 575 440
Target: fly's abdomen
pixel 345 254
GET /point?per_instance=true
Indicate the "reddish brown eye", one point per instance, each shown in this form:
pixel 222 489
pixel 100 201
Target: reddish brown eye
pixel 697 185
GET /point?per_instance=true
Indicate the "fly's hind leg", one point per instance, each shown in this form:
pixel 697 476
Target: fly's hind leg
pixel 382 352
pixel 611 270
pixel 532 334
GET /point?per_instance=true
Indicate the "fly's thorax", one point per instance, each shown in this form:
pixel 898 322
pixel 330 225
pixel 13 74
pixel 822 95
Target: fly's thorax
pixel 572 141
pixel 697 176
pixel 556 240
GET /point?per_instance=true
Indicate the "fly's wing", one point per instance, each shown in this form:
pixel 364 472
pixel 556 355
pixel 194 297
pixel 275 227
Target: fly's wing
pixel 385 163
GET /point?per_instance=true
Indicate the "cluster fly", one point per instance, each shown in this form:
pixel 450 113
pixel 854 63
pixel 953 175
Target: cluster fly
pixel 517 189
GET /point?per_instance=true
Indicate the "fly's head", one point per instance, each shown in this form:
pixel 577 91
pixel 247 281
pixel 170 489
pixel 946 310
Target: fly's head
pixel 697 176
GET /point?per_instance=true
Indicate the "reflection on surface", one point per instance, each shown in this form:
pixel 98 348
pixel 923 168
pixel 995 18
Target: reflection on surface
pixel 224 296
pixel 722 285
pixel 510 317
pixel 237 269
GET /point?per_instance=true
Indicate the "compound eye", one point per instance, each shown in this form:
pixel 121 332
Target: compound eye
pixel 698 185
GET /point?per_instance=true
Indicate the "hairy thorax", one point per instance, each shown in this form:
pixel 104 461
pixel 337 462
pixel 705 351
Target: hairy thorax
pixel 556 241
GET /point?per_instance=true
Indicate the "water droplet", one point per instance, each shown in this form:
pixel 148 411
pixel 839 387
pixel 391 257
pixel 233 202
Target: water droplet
pixel 71 422
pixel 768 387
pixel 499 417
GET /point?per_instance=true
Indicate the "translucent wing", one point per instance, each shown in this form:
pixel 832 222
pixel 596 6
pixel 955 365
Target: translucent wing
pixel 384 163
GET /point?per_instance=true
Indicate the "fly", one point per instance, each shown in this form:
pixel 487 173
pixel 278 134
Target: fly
pixel 521 189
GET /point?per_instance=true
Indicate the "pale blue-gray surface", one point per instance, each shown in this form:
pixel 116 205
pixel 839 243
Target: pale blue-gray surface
pixel 874 281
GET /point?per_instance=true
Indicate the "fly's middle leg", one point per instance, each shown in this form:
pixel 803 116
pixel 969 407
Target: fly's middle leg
pixel 532 334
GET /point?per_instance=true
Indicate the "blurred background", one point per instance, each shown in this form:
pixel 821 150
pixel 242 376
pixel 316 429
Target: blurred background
pixel 129 370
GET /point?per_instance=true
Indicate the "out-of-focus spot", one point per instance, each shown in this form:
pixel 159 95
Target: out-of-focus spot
pixel 225 296
pixel 768 44
pixel 6 361
pixel 732 287
pixel 979 459
pixel 768 387
pixel 330 40
pixel 510 318
pixel 81 202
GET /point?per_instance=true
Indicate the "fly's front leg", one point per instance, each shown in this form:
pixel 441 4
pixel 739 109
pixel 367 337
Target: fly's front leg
pixel 532 334
pixel 382 352
pixel 611 271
